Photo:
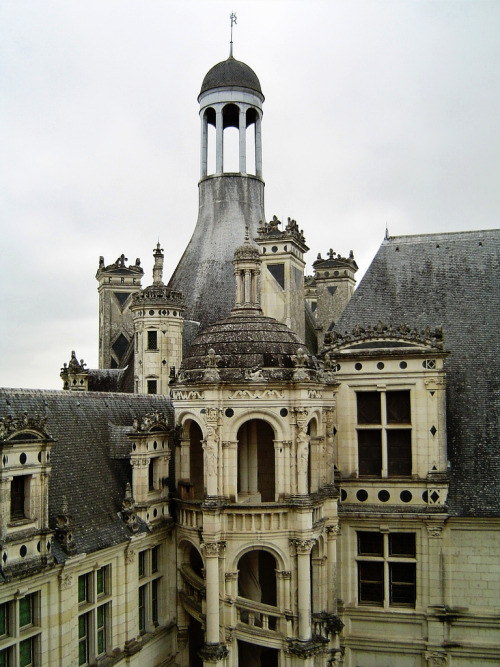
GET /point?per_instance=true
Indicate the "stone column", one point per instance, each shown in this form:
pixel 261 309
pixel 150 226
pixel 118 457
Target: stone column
pixel 219 142
pixel 258 147
pixel 248 286
pixel 287 448
pixel 212 652
pixel 303 549
pixel 243 140
pixel 239 298
pixel 332 594
pixel 328 419
pixel 203 146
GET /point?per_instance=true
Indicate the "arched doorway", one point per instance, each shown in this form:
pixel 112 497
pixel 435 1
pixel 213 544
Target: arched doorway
pixel 256 467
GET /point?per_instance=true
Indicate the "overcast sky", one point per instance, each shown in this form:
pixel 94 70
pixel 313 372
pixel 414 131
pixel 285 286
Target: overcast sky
pixel 376 113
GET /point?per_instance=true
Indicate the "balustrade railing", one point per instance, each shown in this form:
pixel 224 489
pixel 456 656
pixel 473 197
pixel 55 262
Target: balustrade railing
pixel 258 616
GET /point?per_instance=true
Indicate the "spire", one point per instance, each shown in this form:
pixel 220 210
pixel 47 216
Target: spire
pixel 158 266
pixel 233 22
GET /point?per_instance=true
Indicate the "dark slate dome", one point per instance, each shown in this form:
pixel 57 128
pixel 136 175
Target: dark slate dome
pixel 231 73
pixel 243 344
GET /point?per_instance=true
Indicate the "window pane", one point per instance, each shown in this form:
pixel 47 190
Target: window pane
pixel 142 563
pixel 399 452
pixel 402 583
pixel 398 407
pixel 370 452
pixel 152 387
pixel 82 588
pixel 17 498
pixel 368 407
pixel 4 658
pixel 152 340
pixel 25 611
pixel 151 475
pixel 154 601
pixel 83 646
pixel 4 620
pixel 154 559
pixel 402 544
pixel 100 581
pixel 370 544
pixel 371 582
pixel 142 615
pixel 101 629
pixel 26 653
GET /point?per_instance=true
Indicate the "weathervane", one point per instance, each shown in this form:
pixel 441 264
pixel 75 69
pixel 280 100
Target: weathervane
pixel 233 22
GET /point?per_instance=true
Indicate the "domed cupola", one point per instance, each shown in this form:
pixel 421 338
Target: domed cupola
pixel 231 73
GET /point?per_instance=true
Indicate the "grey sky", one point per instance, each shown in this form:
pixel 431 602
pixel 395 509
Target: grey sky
pixel 375 113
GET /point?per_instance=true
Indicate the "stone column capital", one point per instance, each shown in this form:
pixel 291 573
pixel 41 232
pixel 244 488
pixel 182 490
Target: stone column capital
pixel 213 549
pixel 302 546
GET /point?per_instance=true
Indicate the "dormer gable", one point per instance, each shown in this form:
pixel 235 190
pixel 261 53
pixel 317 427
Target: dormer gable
pixel 150 456
pixel 25 446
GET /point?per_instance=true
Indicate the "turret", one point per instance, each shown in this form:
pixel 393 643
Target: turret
pixel 158 314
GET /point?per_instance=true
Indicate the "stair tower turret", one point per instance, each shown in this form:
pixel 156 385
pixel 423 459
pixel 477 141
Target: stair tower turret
pixel 158 315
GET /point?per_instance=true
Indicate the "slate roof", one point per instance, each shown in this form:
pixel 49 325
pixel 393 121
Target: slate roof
pixel 450 280
pixel 87 464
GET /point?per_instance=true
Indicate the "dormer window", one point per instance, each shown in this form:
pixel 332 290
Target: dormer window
pixel 384 433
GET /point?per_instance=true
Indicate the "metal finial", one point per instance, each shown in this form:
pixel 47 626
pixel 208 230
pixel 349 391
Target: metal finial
pixel 386 231
pixel 247 234
pixel 233 22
